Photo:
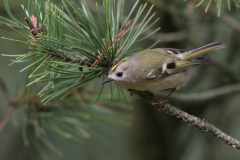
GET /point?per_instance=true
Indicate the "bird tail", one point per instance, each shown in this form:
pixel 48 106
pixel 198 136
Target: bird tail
pixel 202 50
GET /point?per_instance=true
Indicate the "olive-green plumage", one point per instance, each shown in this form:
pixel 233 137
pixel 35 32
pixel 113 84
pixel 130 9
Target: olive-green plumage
pixel 158 69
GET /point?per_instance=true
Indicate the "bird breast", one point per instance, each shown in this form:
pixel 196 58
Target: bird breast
pixel 172 81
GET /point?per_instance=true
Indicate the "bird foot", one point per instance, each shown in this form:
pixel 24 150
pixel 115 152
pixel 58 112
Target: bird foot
pixel 160 104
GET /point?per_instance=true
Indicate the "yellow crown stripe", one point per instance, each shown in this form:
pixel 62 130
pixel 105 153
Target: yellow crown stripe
pixel 114 67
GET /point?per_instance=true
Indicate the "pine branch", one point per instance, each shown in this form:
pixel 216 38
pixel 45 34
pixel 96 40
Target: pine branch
pixel 68 48
pixel 190 119
pixel 84 61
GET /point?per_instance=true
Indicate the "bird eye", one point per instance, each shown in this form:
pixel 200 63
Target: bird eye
pixel 119 74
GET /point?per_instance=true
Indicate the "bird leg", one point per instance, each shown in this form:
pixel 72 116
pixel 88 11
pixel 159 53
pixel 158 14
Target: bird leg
pixel 163 101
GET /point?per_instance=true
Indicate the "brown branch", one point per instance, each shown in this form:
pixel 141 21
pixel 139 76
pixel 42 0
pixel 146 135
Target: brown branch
pixel 68 58
pixel 7 118
pixel 190 119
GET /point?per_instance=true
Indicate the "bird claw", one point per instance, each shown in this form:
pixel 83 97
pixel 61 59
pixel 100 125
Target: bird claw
pixel 160 104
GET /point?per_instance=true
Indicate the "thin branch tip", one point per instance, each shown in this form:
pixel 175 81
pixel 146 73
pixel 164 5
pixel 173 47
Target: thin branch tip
pixel 203 125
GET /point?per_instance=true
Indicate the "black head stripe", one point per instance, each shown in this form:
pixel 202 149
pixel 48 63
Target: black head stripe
pixel 171 65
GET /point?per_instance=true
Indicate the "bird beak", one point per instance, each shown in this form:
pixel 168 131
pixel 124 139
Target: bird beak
pixel 107 80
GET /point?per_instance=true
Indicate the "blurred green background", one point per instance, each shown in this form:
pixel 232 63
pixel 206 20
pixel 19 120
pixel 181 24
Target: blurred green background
pixel 152 135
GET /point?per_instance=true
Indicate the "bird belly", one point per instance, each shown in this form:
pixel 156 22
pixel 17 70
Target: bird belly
pixel 173 81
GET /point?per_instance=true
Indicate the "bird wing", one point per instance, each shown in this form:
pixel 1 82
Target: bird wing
pixel 172 64
pixel 177 60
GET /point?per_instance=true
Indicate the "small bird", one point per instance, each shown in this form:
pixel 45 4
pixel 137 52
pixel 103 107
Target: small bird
pixel 158 69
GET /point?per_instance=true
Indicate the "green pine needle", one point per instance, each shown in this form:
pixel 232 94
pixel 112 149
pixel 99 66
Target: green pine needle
pixel 71 39
pixel 218 5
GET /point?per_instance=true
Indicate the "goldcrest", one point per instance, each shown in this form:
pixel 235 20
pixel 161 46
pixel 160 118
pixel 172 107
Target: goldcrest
pixel 158 69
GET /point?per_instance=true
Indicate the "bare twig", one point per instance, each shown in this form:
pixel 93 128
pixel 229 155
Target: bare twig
pixel 190 119
pixel 7 118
